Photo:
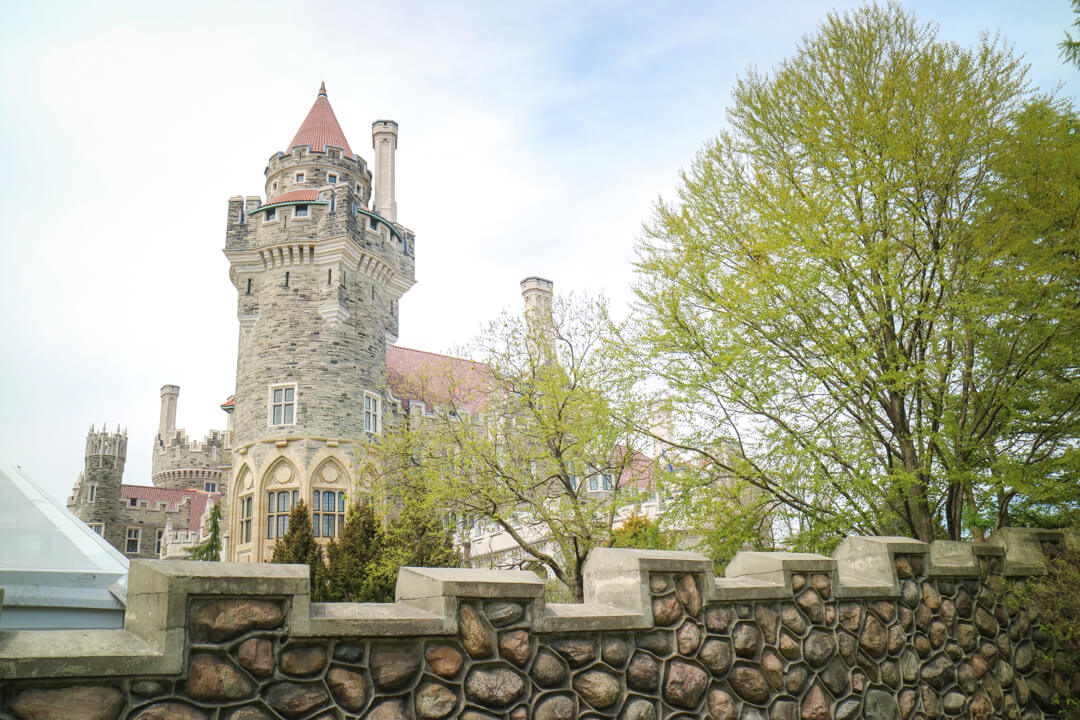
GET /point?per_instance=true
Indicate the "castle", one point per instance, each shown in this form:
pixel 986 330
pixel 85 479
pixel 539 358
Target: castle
pixel 318 268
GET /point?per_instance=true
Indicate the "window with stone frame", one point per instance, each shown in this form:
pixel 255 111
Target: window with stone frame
pixel 92 494
pixel 134 536
pixel 271 215
pixel 157 542
pixel 282 405
pixel 371 413
pixel 98 528
pixel 278 505
pixel 327 512
pixel 245 519
pixel 300 211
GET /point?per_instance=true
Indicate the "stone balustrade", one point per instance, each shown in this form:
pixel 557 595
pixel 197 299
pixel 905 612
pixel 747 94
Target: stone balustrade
pixel 886 629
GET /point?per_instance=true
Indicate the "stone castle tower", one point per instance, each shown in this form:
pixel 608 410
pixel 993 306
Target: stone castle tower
pixel 95 499
pixel 318 275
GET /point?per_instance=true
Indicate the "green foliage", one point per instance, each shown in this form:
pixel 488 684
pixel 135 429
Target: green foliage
pixel 638 531
pixel 299 547
pixel 363 564
pixel 349 559
pixel 1070 48
pixel 549 434
pixel 211 549
pixel 1053 600
pixel 863 302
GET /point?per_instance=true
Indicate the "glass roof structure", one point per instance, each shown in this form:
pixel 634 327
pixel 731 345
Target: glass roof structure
pixel 55 572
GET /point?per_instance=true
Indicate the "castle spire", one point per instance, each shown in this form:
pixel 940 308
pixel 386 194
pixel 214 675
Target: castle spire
pixel 320 128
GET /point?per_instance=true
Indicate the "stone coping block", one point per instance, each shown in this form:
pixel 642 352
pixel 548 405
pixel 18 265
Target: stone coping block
pixel 414 583
pixel 1023 549
pixel 867 565
pixel 619 577
pixel 620 586
pixel 955 558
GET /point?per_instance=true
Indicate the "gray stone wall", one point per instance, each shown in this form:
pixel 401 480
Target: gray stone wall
pixel 323 326
pixel 888 629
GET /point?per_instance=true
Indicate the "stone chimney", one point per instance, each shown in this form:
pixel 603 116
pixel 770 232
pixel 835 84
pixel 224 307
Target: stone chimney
pixel 167 423
pixel 537 293
pixel 384 135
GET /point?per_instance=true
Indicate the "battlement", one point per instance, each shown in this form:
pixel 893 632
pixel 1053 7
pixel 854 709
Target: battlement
pixel 334 230
pixel 103 442
pixel 886 628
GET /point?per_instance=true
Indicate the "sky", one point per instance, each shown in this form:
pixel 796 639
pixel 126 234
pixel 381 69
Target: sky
pixel 535 139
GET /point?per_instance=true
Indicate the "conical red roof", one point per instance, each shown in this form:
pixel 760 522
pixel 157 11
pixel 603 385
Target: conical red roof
pixel 320 128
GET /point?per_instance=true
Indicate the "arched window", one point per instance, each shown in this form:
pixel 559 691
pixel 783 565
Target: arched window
pixel 278 505
pixel 327 512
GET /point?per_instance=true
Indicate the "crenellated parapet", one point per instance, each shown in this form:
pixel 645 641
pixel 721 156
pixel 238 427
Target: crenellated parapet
pixel 886 628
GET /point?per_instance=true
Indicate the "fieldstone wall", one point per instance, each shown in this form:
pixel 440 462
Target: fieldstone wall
pixel 887 629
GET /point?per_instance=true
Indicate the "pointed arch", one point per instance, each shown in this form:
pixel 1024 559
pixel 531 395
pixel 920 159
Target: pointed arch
pixel 330 490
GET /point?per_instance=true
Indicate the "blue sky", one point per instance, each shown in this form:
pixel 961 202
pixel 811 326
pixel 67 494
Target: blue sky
pixel 534 140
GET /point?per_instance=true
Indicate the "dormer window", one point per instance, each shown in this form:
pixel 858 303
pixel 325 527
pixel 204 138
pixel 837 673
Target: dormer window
pixel 271 215
pixel 301 211
pixel 331 178
pixel 299 177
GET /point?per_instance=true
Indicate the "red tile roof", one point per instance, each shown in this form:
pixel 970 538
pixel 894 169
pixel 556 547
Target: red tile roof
pixel 173 497
pixel 229 404
pixel 293 196
pixel 436 379
pixel 320 128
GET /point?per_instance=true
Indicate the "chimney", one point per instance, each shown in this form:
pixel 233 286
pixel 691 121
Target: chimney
pixel 384 135
pixel 537 292
pixel 167 424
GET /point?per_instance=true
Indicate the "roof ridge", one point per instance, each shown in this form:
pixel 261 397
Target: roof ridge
pixel 442 355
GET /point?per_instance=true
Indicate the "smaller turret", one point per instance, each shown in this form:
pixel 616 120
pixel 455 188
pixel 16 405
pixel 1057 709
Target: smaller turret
pixel 96 497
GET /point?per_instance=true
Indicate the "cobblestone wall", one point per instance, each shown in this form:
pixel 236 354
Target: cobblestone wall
pixel 887 629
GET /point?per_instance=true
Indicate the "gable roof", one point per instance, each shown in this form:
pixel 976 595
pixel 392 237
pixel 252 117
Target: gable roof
pixel 320 128
pixel 434 379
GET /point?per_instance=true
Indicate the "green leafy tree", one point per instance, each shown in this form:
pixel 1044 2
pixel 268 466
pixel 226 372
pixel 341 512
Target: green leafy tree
pixel 638 531
pixel 211 549
pixel 1070 48
pixel 863 302
pixel 299 547
pixel 415 533
pixel 543 460
pixel 363 564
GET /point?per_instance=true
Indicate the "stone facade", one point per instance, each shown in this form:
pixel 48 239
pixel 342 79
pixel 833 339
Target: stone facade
pixel 318 278
pixel 95 499
pixel 887 629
